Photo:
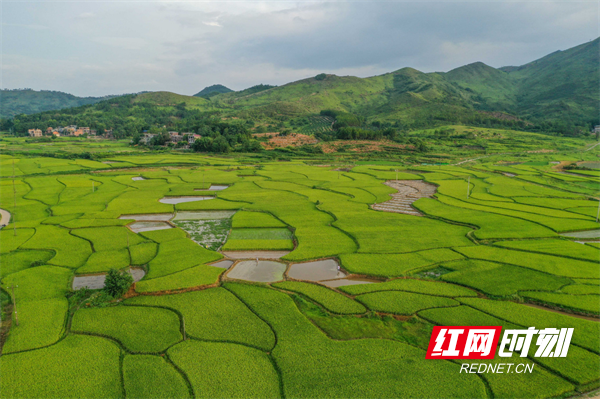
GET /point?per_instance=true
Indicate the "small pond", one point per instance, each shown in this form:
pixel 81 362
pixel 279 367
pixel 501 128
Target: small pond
pixel 180 200
pixel 137 178
pixel 327 269
pixel 264 271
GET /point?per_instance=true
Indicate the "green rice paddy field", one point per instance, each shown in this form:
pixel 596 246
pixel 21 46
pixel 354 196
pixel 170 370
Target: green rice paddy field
pixel 487 249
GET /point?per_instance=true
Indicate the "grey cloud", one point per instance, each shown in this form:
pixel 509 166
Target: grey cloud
pixel 96 48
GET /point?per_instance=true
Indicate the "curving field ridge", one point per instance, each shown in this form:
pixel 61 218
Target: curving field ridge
pixel 192 327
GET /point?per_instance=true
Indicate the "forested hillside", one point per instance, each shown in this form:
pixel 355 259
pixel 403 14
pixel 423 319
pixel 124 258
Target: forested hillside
pixel 555 94
pixel 27 101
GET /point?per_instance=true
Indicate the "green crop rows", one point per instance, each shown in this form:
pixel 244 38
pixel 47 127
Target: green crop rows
pixel 514 253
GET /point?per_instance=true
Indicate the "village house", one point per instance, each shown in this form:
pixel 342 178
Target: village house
pixel 191 138
pixel 147 137
pixel 35 132
pixel 56 133
pixel 78 132
pixel 49 130
pixel 175 137
pixel 108 133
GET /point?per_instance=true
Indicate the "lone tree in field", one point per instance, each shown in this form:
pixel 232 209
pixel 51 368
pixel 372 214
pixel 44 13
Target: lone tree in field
pixel 117 282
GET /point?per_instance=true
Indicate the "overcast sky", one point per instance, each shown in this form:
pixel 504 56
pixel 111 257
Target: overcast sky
pixel 93 48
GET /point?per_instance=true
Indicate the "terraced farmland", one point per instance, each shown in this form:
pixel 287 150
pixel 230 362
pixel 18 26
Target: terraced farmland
pixel 292 280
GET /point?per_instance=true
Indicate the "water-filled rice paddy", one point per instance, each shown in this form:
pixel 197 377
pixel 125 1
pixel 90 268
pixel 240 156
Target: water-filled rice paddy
pixel 326 269
pixel 286 283
pixel 181 200
pixel 139 227
pixel 264 271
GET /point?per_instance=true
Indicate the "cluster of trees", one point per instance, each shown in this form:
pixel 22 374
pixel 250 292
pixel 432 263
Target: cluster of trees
pixel 128 118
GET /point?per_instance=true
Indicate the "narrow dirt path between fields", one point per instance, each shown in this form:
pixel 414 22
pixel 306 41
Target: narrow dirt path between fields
pixel 593 146
pixel 408 192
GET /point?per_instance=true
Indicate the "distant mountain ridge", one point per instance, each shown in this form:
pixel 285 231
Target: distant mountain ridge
pixel 28 101
pixel 560 88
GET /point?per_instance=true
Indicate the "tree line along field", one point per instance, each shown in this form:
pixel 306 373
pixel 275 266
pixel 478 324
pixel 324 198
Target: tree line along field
pixel 490 244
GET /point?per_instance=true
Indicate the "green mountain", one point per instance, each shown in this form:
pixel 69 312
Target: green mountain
pixel 27 101
pixel 564 84
pixel 556 93
pixel 561 86
pixel 212 90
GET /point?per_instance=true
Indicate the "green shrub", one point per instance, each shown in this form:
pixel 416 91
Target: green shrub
pixel 117 282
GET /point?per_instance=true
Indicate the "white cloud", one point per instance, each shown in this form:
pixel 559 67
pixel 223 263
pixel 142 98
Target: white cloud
pixel 96 48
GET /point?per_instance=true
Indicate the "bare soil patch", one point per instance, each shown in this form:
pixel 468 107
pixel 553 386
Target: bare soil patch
pixel 361 146
pixel 294 140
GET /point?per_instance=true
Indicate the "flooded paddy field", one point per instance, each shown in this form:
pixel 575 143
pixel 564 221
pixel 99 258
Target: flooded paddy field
pixel 139 227
pixel 218 187
pixel 264 271
pixel 181 200
pixel 224 264
pixel 327 269
pixel 583 234
pixel 96 282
